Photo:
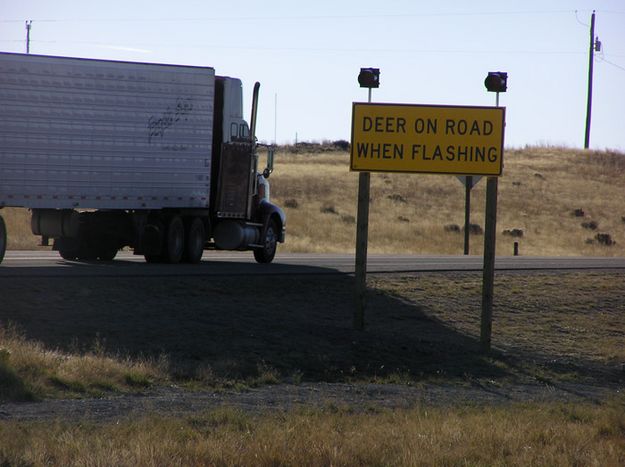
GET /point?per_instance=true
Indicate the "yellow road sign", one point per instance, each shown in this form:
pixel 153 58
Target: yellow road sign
pixel 427 139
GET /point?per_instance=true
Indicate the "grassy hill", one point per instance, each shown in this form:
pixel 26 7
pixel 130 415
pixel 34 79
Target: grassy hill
pixel 562 201
pixel 558 199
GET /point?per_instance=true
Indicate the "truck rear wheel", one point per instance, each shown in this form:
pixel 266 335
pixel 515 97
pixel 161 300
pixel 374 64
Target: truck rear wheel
pixel 107 252
pixel 152 242
pixel 174 240
pixel 269 240
pixel 68 248
pixel 194 246
pixel 81 249
pixel 3 238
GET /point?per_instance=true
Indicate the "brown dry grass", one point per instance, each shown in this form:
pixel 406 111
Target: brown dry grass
pixel 19 234
pixel 550 435
pixel 29 371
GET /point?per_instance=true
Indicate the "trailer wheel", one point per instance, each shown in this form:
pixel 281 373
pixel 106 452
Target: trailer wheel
pixel 174 240
pixel 152 242
pixel 194 246
pixel 3 238
pixel 107 252
pixel 269 240
pixel 67 247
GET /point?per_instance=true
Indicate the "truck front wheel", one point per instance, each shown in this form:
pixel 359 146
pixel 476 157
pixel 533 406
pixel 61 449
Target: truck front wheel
pixel 269 242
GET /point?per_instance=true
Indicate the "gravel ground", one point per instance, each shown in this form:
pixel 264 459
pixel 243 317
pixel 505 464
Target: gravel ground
pixel 174 401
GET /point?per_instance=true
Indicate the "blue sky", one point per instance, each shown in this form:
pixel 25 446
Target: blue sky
pixel 307 56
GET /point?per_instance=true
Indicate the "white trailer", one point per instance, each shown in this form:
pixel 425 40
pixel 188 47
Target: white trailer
pixel 110 154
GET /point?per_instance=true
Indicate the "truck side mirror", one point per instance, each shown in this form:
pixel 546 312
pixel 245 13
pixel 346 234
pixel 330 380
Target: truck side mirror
pixel 269 168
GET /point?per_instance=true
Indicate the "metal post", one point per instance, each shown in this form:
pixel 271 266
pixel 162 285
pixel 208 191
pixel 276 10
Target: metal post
pixel 591 56
pixel 467 212
pixel 362 234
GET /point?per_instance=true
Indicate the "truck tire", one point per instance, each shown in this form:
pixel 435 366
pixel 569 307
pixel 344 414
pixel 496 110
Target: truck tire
pixel 196 237
pixel 174 241
pixel 68 248
pixel 269 240
pixel 3 239
pixel 80 249
pixel 107 251
pixel 153 242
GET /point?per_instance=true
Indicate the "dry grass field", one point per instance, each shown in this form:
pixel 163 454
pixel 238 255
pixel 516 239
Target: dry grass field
pixel 543 435
pixel 538 193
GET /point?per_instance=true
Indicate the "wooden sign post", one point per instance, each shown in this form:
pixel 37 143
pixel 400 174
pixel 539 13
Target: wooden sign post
pixel 362 239
pixel 488 280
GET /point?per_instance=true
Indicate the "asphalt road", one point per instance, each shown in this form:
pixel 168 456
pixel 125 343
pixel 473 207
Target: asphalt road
pixel 48 263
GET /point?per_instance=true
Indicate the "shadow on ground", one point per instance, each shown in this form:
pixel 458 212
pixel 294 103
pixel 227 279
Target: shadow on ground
pixel 241 325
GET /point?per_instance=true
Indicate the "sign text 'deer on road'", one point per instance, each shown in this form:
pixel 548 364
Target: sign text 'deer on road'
pixel 427 139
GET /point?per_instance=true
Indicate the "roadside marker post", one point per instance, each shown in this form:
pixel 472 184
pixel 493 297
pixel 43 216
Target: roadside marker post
pixel 468 185
pixel 469 182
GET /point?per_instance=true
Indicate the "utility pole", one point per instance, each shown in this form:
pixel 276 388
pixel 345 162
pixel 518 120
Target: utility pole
pixel 591 59
pixel 28 25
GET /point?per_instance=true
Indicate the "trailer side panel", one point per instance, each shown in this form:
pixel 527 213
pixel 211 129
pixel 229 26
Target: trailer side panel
pixel 97 134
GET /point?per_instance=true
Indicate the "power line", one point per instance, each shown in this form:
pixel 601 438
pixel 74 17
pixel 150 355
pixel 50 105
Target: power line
pixel 611 63
pixel 300 17
pixel 310 49
pixel 578 20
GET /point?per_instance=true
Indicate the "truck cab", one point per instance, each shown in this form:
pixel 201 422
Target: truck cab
pixel 243 214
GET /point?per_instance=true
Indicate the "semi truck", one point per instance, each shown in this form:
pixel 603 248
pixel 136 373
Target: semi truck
pixel 153 157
